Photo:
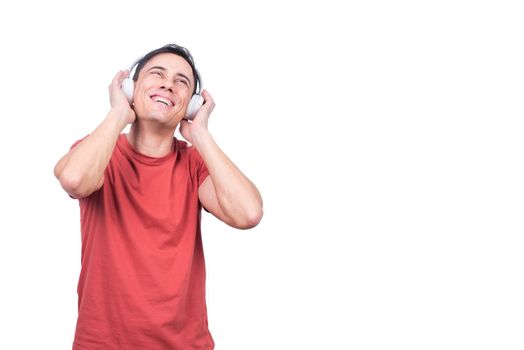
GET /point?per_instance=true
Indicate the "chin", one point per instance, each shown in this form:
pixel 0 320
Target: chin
pixel 161 118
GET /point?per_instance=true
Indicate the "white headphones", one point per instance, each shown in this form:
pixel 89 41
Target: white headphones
pixel 128 87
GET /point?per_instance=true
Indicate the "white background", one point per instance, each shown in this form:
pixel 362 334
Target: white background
pixel 385 137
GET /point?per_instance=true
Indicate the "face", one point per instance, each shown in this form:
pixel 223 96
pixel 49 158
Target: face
pixel 163 89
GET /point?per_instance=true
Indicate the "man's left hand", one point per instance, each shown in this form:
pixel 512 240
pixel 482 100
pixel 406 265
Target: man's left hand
pixel 190 129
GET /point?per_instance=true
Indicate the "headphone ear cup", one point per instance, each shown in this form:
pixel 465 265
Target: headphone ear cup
pixel 128 86
pixel 194 105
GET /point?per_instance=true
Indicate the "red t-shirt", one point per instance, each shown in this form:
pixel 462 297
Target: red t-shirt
pixel 142 283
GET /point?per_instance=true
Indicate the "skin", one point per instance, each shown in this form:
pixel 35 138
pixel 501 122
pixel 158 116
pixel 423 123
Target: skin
pixel 226 193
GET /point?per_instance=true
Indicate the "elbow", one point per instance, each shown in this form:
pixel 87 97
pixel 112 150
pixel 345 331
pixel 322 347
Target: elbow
pixel 69 182
pixel 251 219
pixel 73 185
pixel 256 217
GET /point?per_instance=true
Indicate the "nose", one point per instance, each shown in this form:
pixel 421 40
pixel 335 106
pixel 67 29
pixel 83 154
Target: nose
pixel 167 84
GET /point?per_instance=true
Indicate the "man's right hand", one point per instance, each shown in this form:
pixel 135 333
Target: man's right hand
pixel 118 100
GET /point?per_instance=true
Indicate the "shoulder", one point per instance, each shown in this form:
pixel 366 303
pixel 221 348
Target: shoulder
pixel 187 150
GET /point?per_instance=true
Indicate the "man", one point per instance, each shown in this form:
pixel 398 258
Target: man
pixel 142 283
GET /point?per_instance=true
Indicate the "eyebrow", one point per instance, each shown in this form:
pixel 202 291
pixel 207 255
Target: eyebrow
pixel 164 69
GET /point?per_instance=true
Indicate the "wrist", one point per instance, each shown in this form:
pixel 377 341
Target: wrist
pixel 200 137
pixel 119 116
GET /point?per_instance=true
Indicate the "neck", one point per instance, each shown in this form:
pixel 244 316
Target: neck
pixel 152 143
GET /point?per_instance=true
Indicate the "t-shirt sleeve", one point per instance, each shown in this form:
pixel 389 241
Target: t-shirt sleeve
pixel 200 166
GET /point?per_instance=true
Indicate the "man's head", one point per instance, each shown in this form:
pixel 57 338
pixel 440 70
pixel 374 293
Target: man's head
pixel 165 80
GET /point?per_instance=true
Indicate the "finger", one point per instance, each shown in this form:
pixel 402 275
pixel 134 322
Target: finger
pixel 184 125
pixel 119 78
pixel 209 103
pixel 207 97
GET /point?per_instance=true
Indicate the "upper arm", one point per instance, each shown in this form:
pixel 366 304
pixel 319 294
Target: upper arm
pixel 71 184
pixel 208 198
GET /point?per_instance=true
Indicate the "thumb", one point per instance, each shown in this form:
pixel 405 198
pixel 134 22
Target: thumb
pixel 184 125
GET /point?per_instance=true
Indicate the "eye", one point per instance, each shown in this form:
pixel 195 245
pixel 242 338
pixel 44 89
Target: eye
pixel 182 81
pixel 157 73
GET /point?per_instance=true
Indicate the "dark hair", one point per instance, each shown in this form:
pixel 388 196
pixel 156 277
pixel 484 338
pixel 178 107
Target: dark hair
pixel 174 49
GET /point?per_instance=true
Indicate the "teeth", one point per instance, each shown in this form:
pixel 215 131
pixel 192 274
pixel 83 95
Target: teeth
pixel 163 100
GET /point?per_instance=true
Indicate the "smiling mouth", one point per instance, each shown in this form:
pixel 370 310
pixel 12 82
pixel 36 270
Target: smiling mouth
pixel 163 101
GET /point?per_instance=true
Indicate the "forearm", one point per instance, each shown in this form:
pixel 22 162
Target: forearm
pixel 81 171
pixel 237 196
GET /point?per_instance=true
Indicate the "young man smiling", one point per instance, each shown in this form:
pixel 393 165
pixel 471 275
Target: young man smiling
pixel 142 282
